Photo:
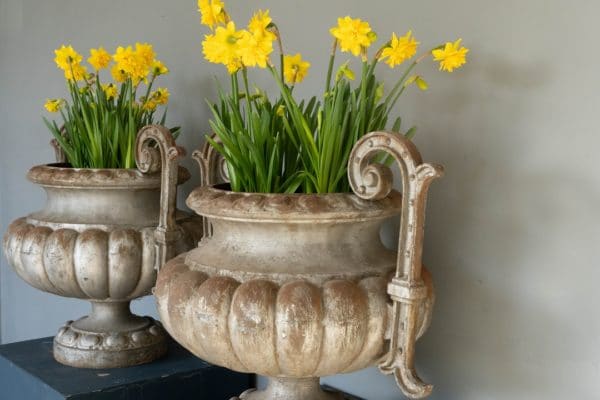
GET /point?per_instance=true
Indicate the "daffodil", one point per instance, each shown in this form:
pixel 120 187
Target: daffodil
pixel 110 90
pixel 353 35
pixel 158 68
pixel 66 56
pixel 160 96
pixel 451 56
pixel 76 72
pixel 294 68
pixel 134 63
pixel 223 47
pixel 149 105
pixel 99 58
pixel 212 12
pixel 146 54
pixel 53 105
pixel 254 49
pixel 259 23
pixel 399 49
pixel 118 74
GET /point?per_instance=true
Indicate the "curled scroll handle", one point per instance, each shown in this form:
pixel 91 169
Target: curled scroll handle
pixel 213 170
pixel 406 289
pixel 155 150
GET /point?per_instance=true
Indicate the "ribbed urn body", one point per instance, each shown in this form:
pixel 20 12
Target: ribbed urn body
pixel 94 237
pixel 286 286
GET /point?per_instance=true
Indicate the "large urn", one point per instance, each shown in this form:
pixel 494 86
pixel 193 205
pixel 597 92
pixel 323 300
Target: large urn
pixel 296 287
pixel 100 237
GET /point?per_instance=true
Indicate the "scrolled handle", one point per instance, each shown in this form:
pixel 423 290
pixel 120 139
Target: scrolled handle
pixel 213 170
pixel 406 289
pixel 155 150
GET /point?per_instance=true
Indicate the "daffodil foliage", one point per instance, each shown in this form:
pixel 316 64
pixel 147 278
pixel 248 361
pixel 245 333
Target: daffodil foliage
pixel 290 145
pixel 100 121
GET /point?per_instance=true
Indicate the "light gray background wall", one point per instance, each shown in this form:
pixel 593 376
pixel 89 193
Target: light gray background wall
pixel 512 236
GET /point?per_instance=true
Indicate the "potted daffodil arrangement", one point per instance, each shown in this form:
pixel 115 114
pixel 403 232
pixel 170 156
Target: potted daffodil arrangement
pixel 294 282
pixel 97 237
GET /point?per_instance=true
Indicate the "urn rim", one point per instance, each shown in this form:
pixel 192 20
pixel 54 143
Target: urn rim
pixel 63 175
pixel 219 203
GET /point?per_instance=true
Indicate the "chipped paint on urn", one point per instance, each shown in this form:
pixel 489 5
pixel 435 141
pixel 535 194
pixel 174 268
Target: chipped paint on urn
pixel 95 240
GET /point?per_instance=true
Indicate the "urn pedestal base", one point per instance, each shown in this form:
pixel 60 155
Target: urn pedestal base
pixel 290 389
pixel 110 337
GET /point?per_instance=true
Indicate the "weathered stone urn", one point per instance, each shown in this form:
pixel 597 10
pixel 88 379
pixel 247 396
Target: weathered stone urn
pixel 296 287
pixel 100 237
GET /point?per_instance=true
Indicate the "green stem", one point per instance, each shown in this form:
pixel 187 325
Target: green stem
pixel 330 67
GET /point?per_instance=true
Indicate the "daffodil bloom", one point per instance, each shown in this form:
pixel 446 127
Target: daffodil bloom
pixel 212 12
pixel 134 63
pixel 259 23
pixel 353 35
pixel 145 52
pixel 451 56
pixel 53 105
pixel 149 105
pixel 254 49
pixel 158 68
pixel 76 72
pixel 160 96
pixel 294 68
pixel 99 58
pixel 399 49
pixel 222 47
pixel 118 74
pixel 110 90
pixel 66 56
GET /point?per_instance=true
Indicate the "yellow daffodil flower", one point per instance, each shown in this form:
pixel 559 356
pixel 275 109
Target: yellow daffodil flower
pixel 76 72
pixel 254 49
pixel 212 12
pixel 118 74
pixel 145 52
pixel 53 105
pixel 66 56
pixel 353 35
pixel 150 105
pixel 110 90
pixel 99 58
pixel 399 49
pixel 158 68
pixel 134 63
pixel 161 96
pixel 222 47
pixel 294 68
pixel 451 56
pixel 259 23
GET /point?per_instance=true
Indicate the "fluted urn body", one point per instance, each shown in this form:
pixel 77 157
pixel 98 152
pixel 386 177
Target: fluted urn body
pixel 94 240
pixel 288 286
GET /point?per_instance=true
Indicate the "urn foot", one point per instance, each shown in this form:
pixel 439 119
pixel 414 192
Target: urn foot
pixel 110 337
pixel 290 389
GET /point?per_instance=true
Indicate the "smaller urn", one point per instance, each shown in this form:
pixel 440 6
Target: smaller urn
pixel 100 237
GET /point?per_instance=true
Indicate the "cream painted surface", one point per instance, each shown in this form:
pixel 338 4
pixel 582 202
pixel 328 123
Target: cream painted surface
pixel 512 234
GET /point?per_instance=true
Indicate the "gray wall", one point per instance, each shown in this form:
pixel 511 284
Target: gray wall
pixel 512 236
